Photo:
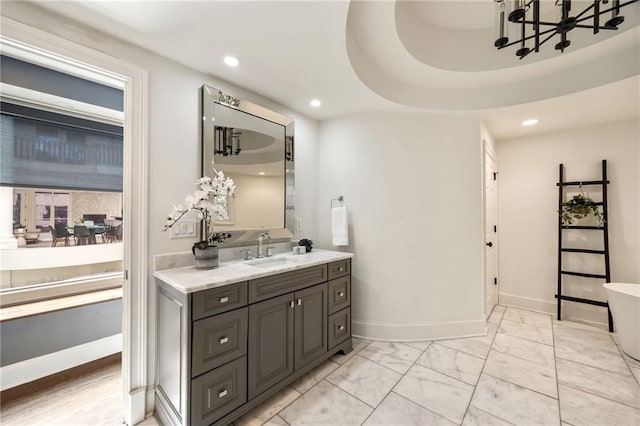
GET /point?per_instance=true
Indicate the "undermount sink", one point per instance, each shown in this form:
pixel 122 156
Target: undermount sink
pixel 269 262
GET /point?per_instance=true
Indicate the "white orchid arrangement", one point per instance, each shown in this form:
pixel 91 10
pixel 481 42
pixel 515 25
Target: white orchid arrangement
pixel 210 201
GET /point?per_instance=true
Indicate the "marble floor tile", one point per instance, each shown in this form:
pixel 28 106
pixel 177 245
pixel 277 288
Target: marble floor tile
pixel 515 404
pixel 538 377
pixel 499 308
pixel 582 408
pixel 396 356
pixel 630 361
pixel 310 379
pixel 364 379
pixel 421 346
pixel 269 408
pixel 495 317
pixel 525 349
pixel 435 391
pixel 526 331
pixel 476 346
pixel 636 373
pixel 528 317
pixel 616 387
pixel 607 358
pixel 478 417
pixel 456 364
pixel 584 336
pixel 580 325
pixel 358 345
pixel 396 410
pixel 492 329
pixel 325 404
pixel 276 421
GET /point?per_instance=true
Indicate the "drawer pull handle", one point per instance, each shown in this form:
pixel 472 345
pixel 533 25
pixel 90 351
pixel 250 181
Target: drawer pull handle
pixel 224 340
pixel 222 394
pixel 224 299
pixel 340 294
pixel 340 327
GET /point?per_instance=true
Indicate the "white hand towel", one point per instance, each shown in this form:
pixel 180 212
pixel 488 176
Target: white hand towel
pixel 339 226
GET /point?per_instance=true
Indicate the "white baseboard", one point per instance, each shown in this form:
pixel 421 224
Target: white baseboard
pixel 417 332
pixel 570 310
pixel 36 368
pixel 135 405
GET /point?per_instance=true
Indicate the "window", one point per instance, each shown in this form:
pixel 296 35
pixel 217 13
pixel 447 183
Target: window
pixel 48 203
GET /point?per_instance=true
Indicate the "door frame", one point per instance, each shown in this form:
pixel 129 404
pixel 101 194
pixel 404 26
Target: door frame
pixel 43 48
pixel 488 150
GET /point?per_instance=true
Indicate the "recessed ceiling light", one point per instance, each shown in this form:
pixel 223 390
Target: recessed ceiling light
pixel 530 122
pixel 315 103
pixel 231 61
pixel 261 173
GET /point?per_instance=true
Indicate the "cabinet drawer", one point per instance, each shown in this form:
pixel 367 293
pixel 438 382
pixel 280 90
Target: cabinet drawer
pixel 339 327
pixel 339 294
pixel 217 300
pixel 339 268
pixel 275 285
pixel 218 340
pixel 218 392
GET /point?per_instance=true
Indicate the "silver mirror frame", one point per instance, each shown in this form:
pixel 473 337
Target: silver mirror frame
pixel 210 96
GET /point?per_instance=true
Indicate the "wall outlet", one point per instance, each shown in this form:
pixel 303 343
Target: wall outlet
pixel 186 228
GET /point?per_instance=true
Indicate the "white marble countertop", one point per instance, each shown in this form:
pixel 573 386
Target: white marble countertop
pixel 189 279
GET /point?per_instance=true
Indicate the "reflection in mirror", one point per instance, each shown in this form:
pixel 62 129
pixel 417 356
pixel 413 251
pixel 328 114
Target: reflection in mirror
pixel 255 147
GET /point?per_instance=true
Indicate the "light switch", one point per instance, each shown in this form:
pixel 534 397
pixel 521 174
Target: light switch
pixel 184 229
pixel 298 224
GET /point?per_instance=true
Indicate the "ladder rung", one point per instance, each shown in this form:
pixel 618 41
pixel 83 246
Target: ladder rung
pixel 582 274
pixel 601 228
pixel 584 182
pixel 581 300
pixel 576 250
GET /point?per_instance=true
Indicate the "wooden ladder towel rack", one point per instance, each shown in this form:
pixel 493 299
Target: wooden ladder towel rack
pixel 605 235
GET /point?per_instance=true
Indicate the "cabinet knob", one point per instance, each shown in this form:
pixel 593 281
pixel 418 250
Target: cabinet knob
pixel 223 340
pixel 222 393
pixel 299 302
pixel 341 293
pixel 340 269
pixel 224 299
pixel 340 327
pixel 292 304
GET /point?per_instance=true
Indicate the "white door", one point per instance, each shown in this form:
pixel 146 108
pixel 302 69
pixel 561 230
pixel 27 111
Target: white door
pixel 491 230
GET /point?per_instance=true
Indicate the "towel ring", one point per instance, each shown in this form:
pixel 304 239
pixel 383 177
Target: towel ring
pixel 339 200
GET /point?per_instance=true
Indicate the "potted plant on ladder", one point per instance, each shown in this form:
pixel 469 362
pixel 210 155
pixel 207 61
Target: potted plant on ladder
pixel 580 207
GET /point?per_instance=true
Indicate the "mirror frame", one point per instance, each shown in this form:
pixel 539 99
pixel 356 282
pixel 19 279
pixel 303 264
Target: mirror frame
pixel 210 96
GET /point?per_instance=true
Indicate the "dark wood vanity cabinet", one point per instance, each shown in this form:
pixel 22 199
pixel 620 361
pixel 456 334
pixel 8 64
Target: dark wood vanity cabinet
pixel 224 350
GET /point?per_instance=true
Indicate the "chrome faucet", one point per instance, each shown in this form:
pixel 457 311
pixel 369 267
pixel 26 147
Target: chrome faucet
pixel 261 238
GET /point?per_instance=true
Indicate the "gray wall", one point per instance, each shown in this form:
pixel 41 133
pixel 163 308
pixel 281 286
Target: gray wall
pixel 39 335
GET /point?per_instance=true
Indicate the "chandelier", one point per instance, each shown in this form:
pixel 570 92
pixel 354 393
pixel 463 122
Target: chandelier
pixel 227 141
pixel 525 16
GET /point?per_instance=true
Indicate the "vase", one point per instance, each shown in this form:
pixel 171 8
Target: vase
pixel 206 258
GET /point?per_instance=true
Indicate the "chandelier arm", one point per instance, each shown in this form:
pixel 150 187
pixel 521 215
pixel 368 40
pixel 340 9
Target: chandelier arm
pixel 536 25
pixel 584 11
pixel 553 30
pixel 541 43
pixel 620 6
pixel 590 27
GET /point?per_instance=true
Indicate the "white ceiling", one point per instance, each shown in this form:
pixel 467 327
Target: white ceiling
pixel 373 55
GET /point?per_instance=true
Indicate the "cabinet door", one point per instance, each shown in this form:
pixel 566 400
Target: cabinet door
pixel 310 324
pixel 270 343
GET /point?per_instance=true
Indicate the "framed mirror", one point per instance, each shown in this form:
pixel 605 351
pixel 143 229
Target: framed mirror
pixel 255 147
